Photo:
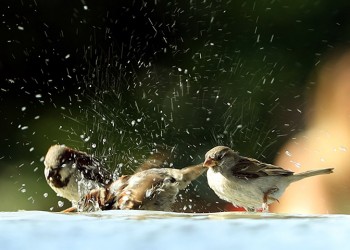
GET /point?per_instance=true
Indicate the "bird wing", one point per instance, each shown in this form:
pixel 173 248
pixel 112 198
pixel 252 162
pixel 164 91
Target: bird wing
pixel 92 169
pixel 133 197
pixel 156 160
pixel 251 168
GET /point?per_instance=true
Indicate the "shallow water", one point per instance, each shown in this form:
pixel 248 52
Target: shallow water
pixel 162 230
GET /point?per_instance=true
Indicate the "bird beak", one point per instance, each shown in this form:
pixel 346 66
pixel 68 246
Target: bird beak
pixel 51 174
pixel 209 162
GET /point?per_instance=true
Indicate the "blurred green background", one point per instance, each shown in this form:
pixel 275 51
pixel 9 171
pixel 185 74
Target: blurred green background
pixel 117 78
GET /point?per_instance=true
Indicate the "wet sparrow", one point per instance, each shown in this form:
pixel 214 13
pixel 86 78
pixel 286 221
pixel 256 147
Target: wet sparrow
pixel 246 182
pixel 72 174
pixel 152 189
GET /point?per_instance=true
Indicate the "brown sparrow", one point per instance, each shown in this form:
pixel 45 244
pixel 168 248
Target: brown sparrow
pixel 151 189
pixel 72 174
pixel 246 182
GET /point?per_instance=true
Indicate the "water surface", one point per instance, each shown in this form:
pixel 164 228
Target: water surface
pixel 162 230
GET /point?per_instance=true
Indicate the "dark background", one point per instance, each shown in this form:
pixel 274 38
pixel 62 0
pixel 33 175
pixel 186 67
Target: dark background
pixel 117 78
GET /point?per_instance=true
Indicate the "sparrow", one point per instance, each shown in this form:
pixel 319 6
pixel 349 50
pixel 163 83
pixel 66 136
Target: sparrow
pixel 72 174
pixel 246 182
pixel 151 189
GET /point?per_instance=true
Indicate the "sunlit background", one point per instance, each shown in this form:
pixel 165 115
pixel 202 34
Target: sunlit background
pixel 118 78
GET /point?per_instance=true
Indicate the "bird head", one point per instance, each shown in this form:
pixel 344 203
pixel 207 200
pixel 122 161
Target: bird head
pixel 57 164
pixel 61 162
pixel 216 157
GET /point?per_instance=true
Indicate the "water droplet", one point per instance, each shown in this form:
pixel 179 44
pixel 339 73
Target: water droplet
pixel 45 195
pixel 24 127
pixel 288 153
pixel 93 145
pixel 60 203
pixel 23 108
pixel 297 164
pixel 133 123
pixel 38 96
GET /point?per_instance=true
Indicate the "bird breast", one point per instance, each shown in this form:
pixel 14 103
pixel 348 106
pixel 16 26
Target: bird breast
pixel 244 192
pixel 76 187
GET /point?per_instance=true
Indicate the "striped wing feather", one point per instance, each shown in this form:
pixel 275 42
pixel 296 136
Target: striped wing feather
pixel 248 168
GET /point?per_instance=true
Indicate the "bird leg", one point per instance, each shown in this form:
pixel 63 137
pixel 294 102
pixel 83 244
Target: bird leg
pixel 249 209
pixel 266 198
pixel 69 210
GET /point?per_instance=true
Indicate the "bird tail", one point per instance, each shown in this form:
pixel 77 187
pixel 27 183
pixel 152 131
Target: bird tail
pixel 313 173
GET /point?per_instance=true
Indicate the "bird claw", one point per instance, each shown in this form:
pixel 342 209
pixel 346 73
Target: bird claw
pixel 69 210
pixel 266 198
pixel 265 207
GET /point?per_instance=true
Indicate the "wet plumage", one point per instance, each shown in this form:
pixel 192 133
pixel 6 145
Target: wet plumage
pixel 72 174
pixel 151 189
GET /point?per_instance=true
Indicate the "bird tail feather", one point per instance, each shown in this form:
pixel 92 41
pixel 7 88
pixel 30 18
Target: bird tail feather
pixel 313 173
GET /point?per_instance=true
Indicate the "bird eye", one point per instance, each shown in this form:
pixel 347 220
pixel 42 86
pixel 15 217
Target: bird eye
pixel 170 179
pixel 219 157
